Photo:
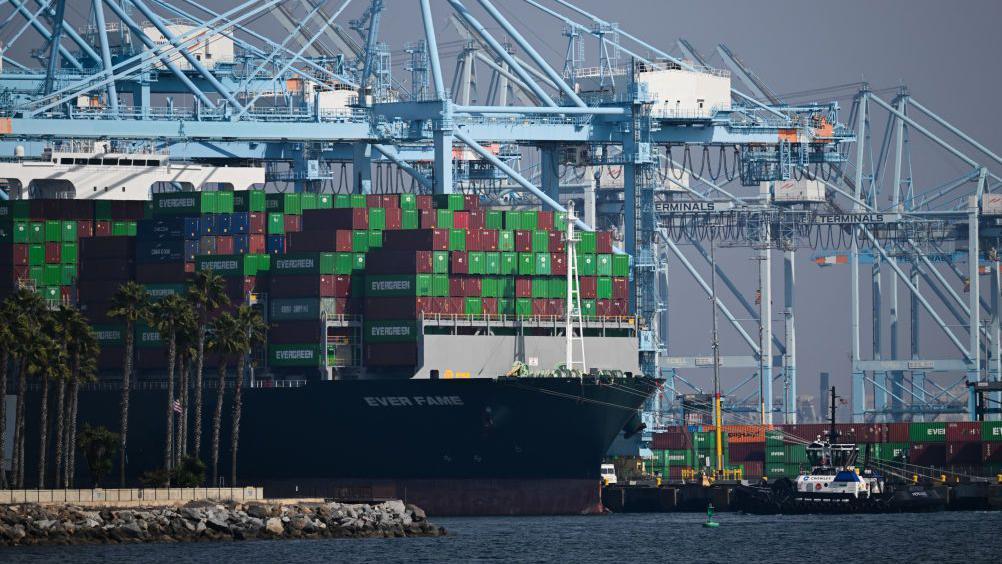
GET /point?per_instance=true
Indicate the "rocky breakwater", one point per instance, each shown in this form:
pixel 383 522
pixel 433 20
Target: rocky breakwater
pixel 206 521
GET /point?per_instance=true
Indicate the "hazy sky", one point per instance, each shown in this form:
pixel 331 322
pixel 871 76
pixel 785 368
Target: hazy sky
pixel 945 52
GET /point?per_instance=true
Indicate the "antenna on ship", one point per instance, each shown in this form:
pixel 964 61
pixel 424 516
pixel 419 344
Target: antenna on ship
pixel 717 416
pixel 573 309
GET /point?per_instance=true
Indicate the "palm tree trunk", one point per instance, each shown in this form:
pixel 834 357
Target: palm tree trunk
pixel 18 467
pixel 71 443
pixel 217 421
pixel 169 440
pixel 237 406
pixel 43 429
pixel 124 426
pixel 4 361
pixel 199 366
pixel 182 426
pixel 60 430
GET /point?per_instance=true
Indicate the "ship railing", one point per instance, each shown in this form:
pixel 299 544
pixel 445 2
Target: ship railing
pixel 269 383
pixel 506 320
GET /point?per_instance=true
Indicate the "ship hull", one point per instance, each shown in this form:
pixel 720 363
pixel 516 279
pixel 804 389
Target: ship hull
pixel 454 447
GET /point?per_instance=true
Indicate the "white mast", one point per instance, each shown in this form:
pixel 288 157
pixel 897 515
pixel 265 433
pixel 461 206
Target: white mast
pixel 573 309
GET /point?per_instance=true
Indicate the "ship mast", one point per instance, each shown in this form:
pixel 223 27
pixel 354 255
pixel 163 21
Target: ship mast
pixel 573 309
pixel 717 416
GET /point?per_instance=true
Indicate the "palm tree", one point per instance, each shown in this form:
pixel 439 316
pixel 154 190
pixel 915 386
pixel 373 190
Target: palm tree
pixel 77 339
pixel 129 304
pixel 227 339
pixel 6 347
pixel 28 311
pixel 187 338
pixel 85 364
pixel 47 362
pixel 252 327
pixel 207 294
pixel 166 315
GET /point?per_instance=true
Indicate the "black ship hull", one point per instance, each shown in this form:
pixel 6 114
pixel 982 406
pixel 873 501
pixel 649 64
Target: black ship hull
pixel 454 447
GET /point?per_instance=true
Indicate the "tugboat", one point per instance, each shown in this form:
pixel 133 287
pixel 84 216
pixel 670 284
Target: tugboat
pixel 833 485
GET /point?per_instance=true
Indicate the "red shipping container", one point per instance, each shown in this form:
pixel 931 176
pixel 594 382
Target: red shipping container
pixel 474 242
pixel 555 306
pixel 558 264
pixel 224 245
pixel 753 470
pixel 603 242
pixel 250 283
pixel 22 272
pixel 557 242
pixel 417 240
pixel 963 453
pixel 746 452
pixel 256 244
pixel 963 432
pixel 343 241
pixel 394 218
pixel 429 218
pixel 539 307
pixel 489 306
pixel 544 220
pixel 20 252
pixel 189 267
pixel 523 241
pixel 457 305
pixel 373 201
pixel 457 287
pixel 459 263
pixel 85 228
pixel 293 223
pixel 897 433
pixel 523 287
pixel 341 285
pixel 425 202
pixel 102 228
pixel 927 454
pixel 461 220
pixel 391 201
pixel 257 223
pixel 66 293
pixel 620 289
pixel 671 440
pixel 477 219
pixel 425 262
pixel 602 308
pixel 53 252
pixel 472 287
pixel 471 202
pixel 488 240
pixel 589 287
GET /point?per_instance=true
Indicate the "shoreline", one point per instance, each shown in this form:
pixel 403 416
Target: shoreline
pixel 200 521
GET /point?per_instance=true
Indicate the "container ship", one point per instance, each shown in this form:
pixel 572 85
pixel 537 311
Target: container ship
pixel 392 323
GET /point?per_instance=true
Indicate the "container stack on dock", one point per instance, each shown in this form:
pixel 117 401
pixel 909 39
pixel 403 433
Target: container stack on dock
pixel 970 448
pixel 387 260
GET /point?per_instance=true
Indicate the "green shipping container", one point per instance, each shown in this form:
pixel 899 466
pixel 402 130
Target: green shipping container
pixel 36 274
pixel 409 219
pixel 560 222
pixel 22 232
pixel 603 265
pixel 359 241
pixel 523 307
pixel 377 218
pixel 457 239
pixel 509 264
pixel 357 200
pixel 586 265
pixel 375 239
pixel 473 306
pixel 512 220
pixel 774 437
pixel 440 285
pixel 588 308
pixel 69 232
pixel 443 219
pixel 276 223
pixel 506 306
pixel 558 287
pixel 50 293
pixel 492 263
pixel 886 451
pixel 543 264
pixel 36 254
pixel 506 241
pixel 529 220
pixel 506 287
pixel 540 288
pixel 493 220
pixel 67 274
pixel 675 458
pixel 294 355
pixel 157 292
pixel 620 266
pixel 440 262
pixel 408 202
pixel 991 431
pixel 477 263
pixel 526 264
pixel 109 335
pixel 490 287
pixel 775 454
pixel 170 203
pixel 604 288
pixel 540 242
pixel 587 243
pixel 148 337
pixel 342 200
pixel 927 432
pixel 249 201
pixel 36 233
pixel 52 275
pixel 307 263
pixel 358 261
pixel 309 200
pixel 293 309
pixel 120 228
pixel 53 231
pixel 453 202
pixel 207 202
pixel 796 454
pixel 401 331
pixel 228 265
pixel 325 201
pixel 224 202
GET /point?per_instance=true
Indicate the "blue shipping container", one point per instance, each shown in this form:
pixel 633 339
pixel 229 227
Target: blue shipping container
pixel 224 222
pixel 191 248
pixel 209 224
pixel 162 228
pixel 240 223
pixel 164 250
pixel 241 244
pixel 275 244
pixel 192 229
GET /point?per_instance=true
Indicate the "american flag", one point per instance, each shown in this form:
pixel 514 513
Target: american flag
pixel 177 406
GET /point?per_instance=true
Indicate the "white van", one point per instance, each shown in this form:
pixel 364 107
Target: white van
pixel 608 474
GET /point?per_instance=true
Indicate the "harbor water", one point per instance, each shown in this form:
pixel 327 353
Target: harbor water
pixel 968 537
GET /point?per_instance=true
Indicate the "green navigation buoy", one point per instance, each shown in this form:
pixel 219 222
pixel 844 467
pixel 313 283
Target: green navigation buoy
pixel 710 523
